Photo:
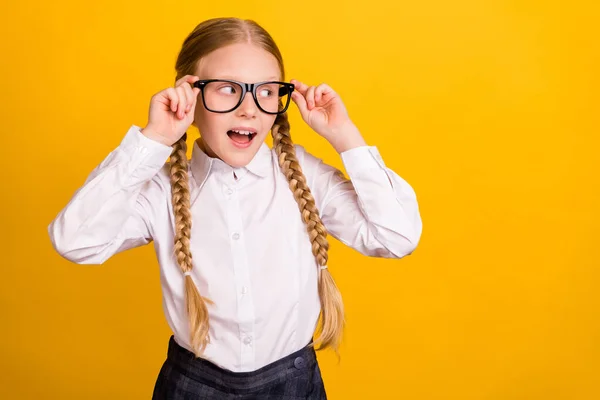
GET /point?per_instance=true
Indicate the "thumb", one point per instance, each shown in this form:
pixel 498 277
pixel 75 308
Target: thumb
pixel 300 102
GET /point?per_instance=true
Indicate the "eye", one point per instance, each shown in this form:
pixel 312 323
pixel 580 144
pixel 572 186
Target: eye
pixel 227 89
pixel 264 92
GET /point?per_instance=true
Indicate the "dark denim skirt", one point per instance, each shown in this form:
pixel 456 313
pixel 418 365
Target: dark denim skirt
pixel 185 377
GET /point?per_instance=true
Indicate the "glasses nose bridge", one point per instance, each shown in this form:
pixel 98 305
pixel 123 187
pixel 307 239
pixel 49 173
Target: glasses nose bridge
pixel 248 91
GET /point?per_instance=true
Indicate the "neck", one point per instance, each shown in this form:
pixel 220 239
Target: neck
pixel 204 147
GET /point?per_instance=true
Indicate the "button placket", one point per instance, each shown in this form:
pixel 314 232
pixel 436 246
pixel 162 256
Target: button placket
pixel 228 192
pixel 245 305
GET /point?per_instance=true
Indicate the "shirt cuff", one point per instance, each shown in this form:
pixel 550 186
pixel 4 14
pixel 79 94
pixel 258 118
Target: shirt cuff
pixel 147 151
pixel 362 158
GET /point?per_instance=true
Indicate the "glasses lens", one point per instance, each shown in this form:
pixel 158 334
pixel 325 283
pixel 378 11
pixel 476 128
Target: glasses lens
pixel 270 94
pixel 222 95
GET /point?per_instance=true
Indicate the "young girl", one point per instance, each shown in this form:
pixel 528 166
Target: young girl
pixel 244 308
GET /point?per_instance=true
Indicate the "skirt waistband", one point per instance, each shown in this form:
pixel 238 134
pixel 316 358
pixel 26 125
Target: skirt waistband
pixel 207 373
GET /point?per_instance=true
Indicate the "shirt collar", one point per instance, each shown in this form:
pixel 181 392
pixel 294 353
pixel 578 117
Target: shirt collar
pixel 202 164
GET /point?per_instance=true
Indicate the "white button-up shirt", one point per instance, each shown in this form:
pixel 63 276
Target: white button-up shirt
pixel 250 249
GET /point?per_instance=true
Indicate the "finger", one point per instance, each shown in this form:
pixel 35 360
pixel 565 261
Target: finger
pixel 173 98
pixel 182 102
pixel 181 80
pixel 299 86
pixel 189 95
pixel 322 92
pixel 196 92
pixel 300 101
pixel 187 78
pixel 181 109
pixel 188 100
pixel 310 97
pixel 186 82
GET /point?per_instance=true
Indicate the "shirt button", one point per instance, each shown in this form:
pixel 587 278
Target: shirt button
pixel 235 236
pixel 244 290
pixel 229 192
pixel 247 340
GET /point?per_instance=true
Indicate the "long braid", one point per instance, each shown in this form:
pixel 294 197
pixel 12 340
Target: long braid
pixel 332 308
pixel 195 304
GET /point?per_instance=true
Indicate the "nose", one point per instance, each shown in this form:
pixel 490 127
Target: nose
pixel 248 108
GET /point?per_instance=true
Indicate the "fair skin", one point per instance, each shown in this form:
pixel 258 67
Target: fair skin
pixel 173 110
pixel 225 63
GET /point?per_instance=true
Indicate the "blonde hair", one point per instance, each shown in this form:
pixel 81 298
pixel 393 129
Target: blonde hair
pixel 205 38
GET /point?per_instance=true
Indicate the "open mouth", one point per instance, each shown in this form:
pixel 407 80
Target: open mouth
pixel 241 137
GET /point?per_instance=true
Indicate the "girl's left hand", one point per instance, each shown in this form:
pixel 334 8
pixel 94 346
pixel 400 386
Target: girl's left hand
pixel 321 108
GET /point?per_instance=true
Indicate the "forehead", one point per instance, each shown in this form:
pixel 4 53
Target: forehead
pixel 241 61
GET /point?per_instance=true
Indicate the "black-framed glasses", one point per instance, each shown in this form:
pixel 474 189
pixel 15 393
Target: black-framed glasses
pixel 223 95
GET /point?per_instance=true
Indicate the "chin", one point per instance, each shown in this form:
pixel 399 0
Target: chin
pixel 238 158
pixel 237 161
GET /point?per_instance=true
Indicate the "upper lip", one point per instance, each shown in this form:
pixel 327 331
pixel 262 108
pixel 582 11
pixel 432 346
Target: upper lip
pixel 243 128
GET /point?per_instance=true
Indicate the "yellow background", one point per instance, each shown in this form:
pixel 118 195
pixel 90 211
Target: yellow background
pixel 490 109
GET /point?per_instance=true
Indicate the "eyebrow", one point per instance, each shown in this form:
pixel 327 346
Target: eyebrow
pixel 231 78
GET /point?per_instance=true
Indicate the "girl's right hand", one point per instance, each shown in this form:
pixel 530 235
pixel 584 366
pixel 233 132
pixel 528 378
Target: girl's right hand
pixel 172 111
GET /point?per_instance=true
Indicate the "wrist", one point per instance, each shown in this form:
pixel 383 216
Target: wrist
pixel 157 137
pixel 346 137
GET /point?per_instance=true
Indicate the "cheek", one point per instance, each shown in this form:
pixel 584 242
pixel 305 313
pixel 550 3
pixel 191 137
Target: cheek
pixel 268 122
pixel 207 122
pixel 200 116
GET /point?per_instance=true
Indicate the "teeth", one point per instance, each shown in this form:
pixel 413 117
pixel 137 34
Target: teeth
pixel 242 132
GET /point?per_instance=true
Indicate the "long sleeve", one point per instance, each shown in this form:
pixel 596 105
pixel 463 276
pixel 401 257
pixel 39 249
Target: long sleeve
pixel 375 211
pixel 112 211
